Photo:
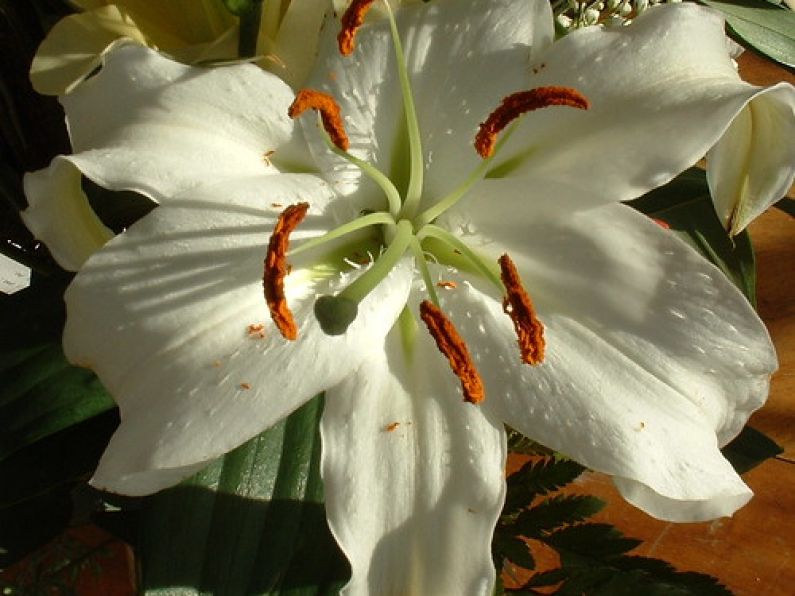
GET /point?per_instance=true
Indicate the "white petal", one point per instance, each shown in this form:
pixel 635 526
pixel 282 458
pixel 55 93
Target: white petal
pixel 149 124
pixel 753 164
pixel 162 314
pixel 462 57
pixel 413 476
pixel 59 214
pixel 662 92
pixel 654 359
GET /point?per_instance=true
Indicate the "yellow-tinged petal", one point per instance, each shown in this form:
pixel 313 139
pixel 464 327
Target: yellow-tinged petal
pixel 75 46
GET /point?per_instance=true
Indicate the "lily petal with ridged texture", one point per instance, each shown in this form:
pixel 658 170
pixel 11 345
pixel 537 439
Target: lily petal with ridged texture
pixel 413 476
pixel 203 368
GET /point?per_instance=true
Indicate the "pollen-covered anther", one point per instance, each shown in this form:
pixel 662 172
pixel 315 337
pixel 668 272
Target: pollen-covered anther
pixel 330 116
pixel 277 268
pixel 452 345
pixel 352 19
pixel 519 103
pixel 518 306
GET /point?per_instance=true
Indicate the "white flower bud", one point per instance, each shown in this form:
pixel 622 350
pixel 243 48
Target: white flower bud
pixel 591 16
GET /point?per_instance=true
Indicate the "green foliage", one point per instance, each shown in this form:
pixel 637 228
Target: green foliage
pixel 253 522
pixel 241 7
pixel 538 478
pixel 787 205
pixel 749 449
pixel 685 205
pixel 762 25
pixel 54 419
pixel 593 556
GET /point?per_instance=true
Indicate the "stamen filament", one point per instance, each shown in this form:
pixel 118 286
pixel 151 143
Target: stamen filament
pixel 517 305
pixel 367 281
pixel 452 345
pixel 456 195
pixel 518 103
pixel 422 264
pixel 390 191
pixel 371 219
pixel 488 271
pixel 276 269
pixel 416 164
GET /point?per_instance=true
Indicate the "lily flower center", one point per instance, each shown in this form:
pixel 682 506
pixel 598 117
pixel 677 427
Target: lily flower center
pixel 402 227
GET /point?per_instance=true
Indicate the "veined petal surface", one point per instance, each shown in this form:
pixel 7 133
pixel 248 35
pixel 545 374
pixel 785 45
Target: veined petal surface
pixel 413 475
pixel 662 92
pixel 653 361
pixel 172 127
pixel 202 367
pixel 462 58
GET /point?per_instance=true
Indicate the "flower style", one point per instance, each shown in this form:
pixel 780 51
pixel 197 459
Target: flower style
pixel 600 334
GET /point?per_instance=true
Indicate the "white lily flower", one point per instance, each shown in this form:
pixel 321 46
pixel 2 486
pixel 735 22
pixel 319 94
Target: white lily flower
pixel 639 359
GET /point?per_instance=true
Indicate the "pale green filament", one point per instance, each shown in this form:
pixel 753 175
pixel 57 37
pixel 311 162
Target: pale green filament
pixel 419 257
pixel 371 219
pixel 366 283
pixel 336 313
pixel 476 176
pixel 416 165
pixel 376 175
pixel 488 270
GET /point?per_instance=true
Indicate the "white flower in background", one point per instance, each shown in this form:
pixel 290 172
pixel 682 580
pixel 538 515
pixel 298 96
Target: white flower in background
pixel 611 341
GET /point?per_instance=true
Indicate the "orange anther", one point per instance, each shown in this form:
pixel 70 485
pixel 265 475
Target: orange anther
pixel 517 104
pixel 447 285
pixel 452 345
pixel 518 306
pixel 329 114
pixel 391 427
pixel 277 268
pixel 352 19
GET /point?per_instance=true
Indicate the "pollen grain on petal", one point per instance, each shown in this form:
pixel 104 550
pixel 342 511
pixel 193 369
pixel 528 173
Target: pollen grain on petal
pixel 352 19
pixel 277 268
pixel 330 115
pixel 518 306
pixel 452 345
pixel 516 104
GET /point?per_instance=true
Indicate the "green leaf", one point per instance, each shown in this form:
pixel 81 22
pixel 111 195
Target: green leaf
pixel 685 205
pixel 787 205
pixel 253 522
pixel 40 392
pixel 582 544
pixel 749 449
pixel 767 28
pixel 537 478
pixel 555 512
pixel 514 549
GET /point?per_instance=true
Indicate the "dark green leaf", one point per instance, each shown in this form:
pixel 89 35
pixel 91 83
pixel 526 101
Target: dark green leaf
pixel 685 205
pixel 767 28
pixel 537 478
pixel 580 545
pixel 749 449
pixel 251 523
pixel 555 512
pixel 40 393
pixel 787 205
pixel 514 549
